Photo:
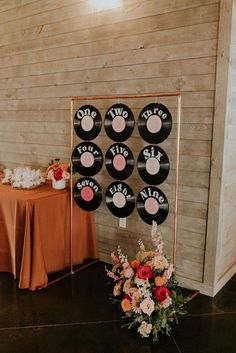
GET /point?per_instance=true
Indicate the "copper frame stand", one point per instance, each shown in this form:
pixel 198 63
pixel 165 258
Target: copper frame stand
pixel 178 118
pixel 178 122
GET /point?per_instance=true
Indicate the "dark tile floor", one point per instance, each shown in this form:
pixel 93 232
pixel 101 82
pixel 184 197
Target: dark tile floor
pixel 75 316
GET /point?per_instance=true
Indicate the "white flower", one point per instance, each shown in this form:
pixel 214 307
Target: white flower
pixel 159 262
pixel 136 300
pixel 145 329
pixel 166 303
pixel 147 306
pixel 168 272
pixel 65 175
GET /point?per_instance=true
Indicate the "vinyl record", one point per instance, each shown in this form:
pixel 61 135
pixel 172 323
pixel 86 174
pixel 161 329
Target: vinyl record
pixel 87 158
pixel 119 122
pixel 87 122
pixel 153 165
pixel 119 161
pixel 154 123
pixel 120 199
pixel 152 205
pixel 87 194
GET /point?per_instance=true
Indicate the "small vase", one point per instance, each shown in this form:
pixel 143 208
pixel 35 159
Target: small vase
pixel 59 184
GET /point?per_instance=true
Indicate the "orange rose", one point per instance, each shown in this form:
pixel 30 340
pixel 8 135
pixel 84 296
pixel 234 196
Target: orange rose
pixel 135 263
pixel 160 281
pixel 64 166
pixel 126 305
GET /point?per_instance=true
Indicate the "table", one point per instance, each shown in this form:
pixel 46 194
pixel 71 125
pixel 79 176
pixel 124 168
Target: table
pixel 35 234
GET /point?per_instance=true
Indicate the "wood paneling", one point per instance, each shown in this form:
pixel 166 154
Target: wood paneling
pixel 53 50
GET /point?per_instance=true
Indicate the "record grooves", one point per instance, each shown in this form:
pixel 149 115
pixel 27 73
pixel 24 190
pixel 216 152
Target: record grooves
pixel 87 158
pixel 152 205
pixel 154 123
pixel 119 161
pixel 87 194
pixel 87 122
pixel 119 122
pixel 153 165
pixel 120 199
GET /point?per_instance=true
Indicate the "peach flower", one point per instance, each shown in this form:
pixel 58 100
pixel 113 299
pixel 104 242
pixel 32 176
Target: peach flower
pixel 126 305
pixel 135 264
pixel 160 281
pixel 117 289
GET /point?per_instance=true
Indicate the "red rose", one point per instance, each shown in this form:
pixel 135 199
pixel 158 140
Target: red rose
pixel 58 174
pixel 161 293
pixel 144 272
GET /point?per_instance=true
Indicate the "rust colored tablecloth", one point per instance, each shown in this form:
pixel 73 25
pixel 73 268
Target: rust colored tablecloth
pixel 35 234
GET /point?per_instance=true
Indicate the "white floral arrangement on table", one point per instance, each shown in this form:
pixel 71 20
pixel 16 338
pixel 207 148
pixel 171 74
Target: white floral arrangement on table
pixel 147 290
pixel 23 177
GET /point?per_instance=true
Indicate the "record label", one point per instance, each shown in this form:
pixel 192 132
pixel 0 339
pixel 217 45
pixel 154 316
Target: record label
pixel 154 123
pixel 119 122
pixel 87 122
pixel 119 161
pixel 152 205
pixel 120 199
pixel 87 194
pixel 87 158
pixel 153 165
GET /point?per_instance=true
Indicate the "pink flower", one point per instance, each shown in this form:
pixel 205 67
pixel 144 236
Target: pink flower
pixel 113 276
pixel 128 272
pixel 117 289
pixel 168 272
pixel 114 258
pixel 144 272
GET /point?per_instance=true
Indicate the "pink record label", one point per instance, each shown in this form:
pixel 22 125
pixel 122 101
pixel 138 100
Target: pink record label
pixel 151 205
pixel 154 124
pixel 152 166
pixel 87 193
pixel 119 162
pixel 118 124
pixel 87 123
pixel 87 159
pixel 119 199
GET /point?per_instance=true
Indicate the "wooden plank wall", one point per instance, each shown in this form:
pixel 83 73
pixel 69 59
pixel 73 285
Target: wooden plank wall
pixel 226 255
pixel 53 50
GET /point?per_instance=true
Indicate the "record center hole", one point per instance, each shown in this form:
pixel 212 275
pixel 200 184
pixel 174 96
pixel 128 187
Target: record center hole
pixel 152 166
pixel 87 159
pixel 119 199
pixel 151 205
pixel 119 162
pixel 154 124
pixel 87 123
pixel 87 193
pixel 118 124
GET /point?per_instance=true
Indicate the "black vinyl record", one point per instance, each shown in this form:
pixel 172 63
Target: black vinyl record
pixel 87 158
pixel 87 122
pixel 152 205
pixel 154 123
pixel 119 122
pixel 120 199
pixel 87 194
pixel 153 165
pixel 119 161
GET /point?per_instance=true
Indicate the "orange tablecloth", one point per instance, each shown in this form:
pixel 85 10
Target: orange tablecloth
pixel 35 234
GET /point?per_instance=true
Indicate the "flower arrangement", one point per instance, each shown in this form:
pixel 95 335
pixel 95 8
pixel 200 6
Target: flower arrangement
pixel 58 170
pixel 147 290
